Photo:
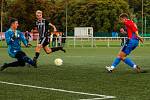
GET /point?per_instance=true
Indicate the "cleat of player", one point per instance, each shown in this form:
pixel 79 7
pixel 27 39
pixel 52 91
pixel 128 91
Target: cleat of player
pixel 62 49
pixel 35 62
pixel 3 67
pixel 109 69
pixel 139 70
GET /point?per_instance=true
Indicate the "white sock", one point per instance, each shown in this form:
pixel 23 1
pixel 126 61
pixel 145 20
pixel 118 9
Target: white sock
pixel 134 66
pixel 112 67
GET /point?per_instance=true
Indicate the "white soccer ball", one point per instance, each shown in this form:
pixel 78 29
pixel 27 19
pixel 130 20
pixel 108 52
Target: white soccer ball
pixel 58 62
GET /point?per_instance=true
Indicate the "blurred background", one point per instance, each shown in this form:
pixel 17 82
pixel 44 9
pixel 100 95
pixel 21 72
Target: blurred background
pixel 66 15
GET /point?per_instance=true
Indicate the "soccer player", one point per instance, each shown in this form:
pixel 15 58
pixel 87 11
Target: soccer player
pixel 13 39
pixel 42 25
pixel 131 43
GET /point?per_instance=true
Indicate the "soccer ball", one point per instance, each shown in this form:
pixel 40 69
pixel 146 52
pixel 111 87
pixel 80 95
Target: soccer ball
pixel 58 62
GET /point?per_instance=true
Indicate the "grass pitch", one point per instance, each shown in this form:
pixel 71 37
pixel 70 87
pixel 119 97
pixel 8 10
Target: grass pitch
pixel 83 71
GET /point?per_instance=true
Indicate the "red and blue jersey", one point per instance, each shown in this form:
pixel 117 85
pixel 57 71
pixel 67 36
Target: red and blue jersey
pixel 131 29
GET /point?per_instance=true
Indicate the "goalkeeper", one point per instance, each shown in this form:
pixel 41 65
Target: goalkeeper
pixel 13 38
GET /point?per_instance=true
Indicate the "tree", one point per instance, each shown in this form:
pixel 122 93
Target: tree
pixel 99 14
pixel 24 10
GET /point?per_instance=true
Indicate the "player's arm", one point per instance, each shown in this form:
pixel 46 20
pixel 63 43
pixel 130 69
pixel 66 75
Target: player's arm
pixel 139 37
pixel 134 28
pixel 33 27
pixel 23 39
pixel 9 39
pixel 54 27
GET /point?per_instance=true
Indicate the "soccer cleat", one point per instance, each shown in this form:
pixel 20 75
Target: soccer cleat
pixel 3 67
pixel 109 69
pixel 139 70
pixel 35 62
pixel 62 49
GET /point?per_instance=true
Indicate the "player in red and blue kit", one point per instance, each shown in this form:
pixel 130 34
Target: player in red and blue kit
pixel 131 43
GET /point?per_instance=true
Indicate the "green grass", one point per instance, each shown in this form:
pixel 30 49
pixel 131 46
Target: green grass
pixel 82 71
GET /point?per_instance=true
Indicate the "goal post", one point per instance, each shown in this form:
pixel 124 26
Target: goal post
pixel 83 31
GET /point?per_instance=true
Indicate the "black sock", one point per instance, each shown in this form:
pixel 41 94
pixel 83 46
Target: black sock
pixel 56 49
pixel 37 55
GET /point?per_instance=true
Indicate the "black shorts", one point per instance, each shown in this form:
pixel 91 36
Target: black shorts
pixel 44 41
pixel 19 55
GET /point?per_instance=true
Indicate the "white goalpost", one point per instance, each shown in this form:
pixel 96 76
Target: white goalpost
pixel 83 31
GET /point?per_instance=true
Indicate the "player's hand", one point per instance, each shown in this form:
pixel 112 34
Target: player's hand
pixel 141 40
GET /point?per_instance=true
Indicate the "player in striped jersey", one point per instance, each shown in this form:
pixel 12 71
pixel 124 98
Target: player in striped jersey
pixel 43 26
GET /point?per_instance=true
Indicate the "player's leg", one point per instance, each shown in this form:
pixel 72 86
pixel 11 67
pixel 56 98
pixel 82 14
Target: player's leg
pixel 17 63
pixel 24 58
pixel 121 56
pixel 37 51
pixel 37 54
pixel 12 64
pixel 47 50
pixel 130 47
pixel 50 50
pixel 126 50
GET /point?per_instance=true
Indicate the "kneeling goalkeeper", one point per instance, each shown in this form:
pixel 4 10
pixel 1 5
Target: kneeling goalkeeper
pixel 13 39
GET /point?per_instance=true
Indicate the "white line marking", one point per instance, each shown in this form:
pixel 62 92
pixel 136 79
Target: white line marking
pixel 95 99
pixel 61 90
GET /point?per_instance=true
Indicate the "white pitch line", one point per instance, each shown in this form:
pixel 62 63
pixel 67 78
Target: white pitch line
pixel 61 90
pixel 94 99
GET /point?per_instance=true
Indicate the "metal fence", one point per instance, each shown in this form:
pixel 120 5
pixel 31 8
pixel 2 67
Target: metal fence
pixel 82 42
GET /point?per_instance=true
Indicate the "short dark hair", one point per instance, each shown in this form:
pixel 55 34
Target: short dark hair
pixel 12 20
pixel 123 15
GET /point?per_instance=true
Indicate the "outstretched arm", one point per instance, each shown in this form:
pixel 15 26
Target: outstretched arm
pixel 22 37
pixel 139 37
pixel 54 27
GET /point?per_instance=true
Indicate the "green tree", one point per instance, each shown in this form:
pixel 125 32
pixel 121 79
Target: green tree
pixel 25 10
pixel 99 14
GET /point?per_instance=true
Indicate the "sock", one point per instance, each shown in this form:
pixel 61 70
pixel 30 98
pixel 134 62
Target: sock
pixel 130 63
pixel 56 49
pixel 115 63
pixel 28 60
pixel 37 55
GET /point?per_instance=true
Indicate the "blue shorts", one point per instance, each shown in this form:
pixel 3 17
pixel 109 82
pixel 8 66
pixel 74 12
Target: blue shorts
pixel 130 45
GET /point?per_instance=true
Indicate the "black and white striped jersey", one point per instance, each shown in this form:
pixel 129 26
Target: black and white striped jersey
pixel 43 28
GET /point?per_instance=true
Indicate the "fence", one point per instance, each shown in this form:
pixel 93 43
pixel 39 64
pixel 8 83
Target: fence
pixel 101 42
pixel 93 42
